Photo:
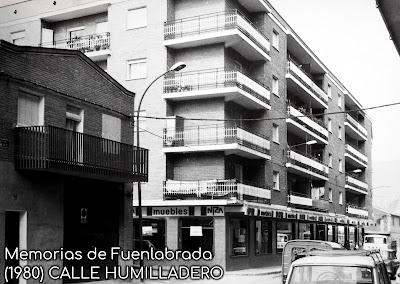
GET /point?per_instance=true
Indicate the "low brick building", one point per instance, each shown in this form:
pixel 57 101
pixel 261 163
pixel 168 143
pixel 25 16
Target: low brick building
pixel 66 154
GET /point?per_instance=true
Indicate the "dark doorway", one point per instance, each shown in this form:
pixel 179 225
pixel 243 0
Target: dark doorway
pixel 12 238
pixel 91 219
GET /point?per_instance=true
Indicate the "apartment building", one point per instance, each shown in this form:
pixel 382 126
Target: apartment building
pixel 66 157
pixel 249 154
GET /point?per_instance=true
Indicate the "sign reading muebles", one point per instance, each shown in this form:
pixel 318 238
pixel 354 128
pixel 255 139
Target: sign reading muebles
pixel 169 211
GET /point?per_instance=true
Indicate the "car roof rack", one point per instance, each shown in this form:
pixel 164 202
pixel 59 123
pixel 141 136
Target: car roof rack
pixel 374 254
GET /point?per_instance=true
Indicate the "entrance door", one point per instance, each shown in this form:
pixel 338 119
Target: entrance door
pixel 321 232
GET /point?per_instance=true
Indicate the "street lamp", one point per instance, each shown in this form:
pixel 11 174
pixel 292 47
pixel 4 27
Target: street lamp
pixel 311 142
pixel 176 67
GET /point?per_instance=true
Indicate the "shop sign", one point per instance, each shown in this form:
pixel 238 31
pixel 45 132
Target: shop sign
pixel 170 211
pixel 312 218
pixel 330 219
pixel 291 216
pixel 215 211
pixel 302 216
pixel 266 213
pixel 320 219
pixel 279 214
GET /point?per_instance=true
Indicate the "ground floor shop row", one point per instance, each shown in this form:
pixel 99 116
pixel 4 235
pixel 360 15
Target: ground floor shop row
pixel 241 238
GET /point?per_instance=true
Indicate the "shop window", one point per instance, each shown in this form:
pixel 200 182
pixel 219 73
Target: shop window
pixel 263 236
pixel 153 231
pixel 306 231
pixel 320 232
pixel 284 233
pixel 341 238
pixel 352 237
pixel 331 234
pixel 239 237
pixel 195 233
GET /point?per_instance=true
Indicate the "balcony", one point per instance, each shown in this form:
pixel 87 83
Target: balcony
pixel 355 157
pixel 357 185
pixel 94 46
pixel 230 139
pixel 308 167
pixel 296 198
pixel 232 85
pixel 57 150
pixel 354 129
pixel 304 87
pixel 228 27
pixel 356 211
pixel 215 189
pixel 304 125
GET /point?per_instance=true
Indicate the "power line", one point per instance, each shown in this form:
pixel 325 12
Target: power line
pixel 276 118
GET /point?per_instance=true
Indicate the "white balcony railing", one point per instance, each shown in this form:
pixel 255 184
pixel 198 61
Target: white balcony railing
pixel 305 79
pixel 93 42
pixel 216 22
pixel 215 78
pixel 356 125
pixel 358 183
pixel 299 199
pixel 215 135
pixel 354 210
pixel 308 122
pixel 308 163
pixel 213 189
pixel 355 153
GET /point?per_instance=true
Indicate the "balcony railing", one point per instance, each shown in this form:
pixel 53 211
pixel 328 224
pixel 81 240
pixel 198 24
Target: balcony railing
pixel 304 78
pixel 355 210
pixel 54 149
pixel 215 135
pixel 215 78
pixel 356 183
pixel 300 199
pixel 355 154
pixel 309 163
pixel 215 189
pixel 93 42
pixel 356 124
pixel 308 121
pixel 216 22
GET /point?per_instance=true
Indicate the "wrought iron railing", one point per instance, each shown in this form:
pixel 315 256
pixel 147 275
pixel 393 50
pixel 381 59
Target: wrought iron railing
pixel 220 21
pixel 215 189
pixel 215 78
pixel 70 152
pixel 93 42
pixel 215 135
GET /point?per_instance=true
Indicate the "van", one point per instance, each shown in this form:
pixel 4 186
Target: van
pixel 296 249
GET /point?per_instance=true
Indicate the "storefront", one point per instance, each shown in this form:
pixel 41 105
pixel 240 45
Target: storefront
pixel 240 237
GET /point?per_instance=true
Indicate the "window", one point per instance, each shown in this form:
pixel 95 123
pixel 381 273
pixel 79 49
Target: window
pixel 330 195
pixel 18 37
pixel 275 39
pixel 341 198
pixel 306 231
pixel 30 110
pixel 239 237
pixel 340 235
pixel 339 100
pixel 142 120
pixel 330 161
pixel 284 233
pixel 331 233
pixel 74 119
pixel 153 231
pixel 275 86
pixel 329 91
pixel 340 134
pixel 340 165
pixel 76 33
pixel 136 18
pixel 275 133
pixel 195 233
pixel 330 125
pixel 111 127
pixel 263 236
pixel 137 69
pixel 275 180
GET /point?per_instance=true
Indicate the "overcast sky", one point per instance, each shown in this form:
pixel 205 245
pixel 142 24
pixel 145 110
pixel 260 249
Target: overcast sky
pixel 353 42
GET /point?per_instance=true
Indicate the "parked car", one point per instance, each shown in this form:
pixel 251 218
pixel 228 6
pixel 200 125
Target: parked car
pixel 339 267
pixel 296 249
pixel 281 240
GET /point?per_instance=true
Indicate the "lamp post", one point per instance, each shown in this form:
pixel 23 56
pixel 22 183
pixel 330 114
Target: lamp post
pixel 176 67
pixel 311 142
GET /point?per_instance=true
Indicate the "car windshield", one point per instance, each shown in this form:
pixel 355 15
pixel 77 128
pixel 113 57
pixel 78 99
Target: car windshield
pixel 375 240
pixel 321 274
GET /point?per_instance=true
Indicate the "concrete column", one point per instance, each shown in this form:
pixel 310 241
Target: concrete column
pixel 220 239
pixel 171 232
